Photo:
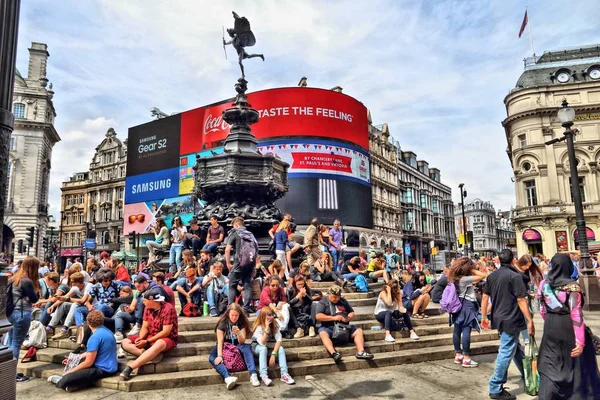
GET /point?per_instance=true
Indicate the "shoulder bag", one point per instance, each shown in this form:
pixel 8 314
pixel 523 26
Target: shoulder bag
pixel 341 330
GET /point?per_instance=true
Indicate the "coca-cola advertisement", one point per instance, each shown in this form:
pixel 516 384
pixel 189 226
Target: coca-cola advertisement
pixel 153 146
pixel 284 112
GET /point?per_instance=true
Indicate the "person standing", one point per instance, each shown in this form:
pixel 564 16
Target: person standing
pixel 25 289
pixel 567 360
pixel 335 244
pixel 311 241
pixel 240 274
pixel 510 315
pixel 178 232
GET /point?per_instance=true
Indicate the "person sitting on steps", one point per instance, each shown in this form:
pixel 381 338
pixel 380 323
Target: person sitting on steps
pixel 415 295
pixel 158 334
pixel 389 309
pixel 214 284
pixel 233 327
pixel 189 290
pixel 266 327
pixel 98 362
pixel 333 309
pixel 301 304
pixel 273 296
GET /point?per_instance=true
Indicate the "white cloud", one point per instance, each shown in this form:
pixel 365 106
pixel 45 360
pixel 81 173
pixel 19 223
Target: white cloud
pixel 437 72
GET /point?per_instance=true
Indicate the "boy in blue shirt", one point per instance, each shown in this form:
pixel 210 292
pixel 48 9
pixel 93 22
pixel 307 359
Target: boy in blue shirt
pixel 98 362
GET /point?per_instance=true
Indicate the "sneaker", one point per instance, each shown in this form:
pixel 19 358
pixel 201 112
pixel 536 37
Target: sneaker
pixel 49 330
pixel 254 380
pixel 337 357
pixel 266 380
pixel 134 331
pixel 299 333
pixel 213 312
pixel 126 374
pixel 311 331
pixel 286 335
pixel 503 395
pixel 53 379
pixel 72 389
pixel 363 355
pixel 389 338
pixel 458 359
pixel 121 353
pixel 414 336
pixel 287 379
pixel 62 334
pixel 469 363
pixel 119 337
pixel 230 382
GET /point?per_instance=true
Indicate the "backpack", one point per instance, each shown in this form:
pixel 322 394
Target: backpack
pixel 450 301
pixel 190 310
pixel 361 284
pixel 10 303
pixel 221 301
pixel 248 249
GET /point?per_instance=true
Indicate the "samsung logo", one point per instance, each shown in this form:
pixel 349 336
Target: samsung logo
pixel 150 186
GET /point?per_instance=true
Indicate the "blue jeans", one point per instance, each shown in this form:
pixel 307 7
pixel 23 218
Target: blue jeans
pixel 464 333
pixel 20 321
pixel 211 293
pixel 194 244
pixel 351 276
pixel 122 318
pixel 246 351
pixel 45 318
pixel 82 312
pixel 509 349
pixel 335 255
pixel 211 247
pixel 262 352
pixel 175 257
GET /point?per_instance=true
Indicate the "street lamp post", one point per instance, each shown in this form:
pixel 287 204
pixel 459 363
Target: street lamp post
pixel 588 280
pixel 463 194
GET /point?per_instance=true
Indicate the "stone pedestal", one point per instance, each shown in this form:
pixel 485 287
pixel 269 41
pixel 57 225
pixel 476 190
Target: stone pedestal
pixel 8 365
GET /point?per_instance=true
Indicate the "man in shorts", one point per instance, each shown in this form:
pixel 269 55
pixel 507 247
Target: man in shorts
pixel 157 335
pixel 333 309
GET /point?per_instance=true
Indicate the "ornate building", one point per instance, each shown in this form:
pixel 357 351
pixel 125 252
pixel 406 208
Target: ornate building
pixel 505 230
pixel 30 156
pixel 92 202
pixel 481 219
pixel 545 216
pixel 384 178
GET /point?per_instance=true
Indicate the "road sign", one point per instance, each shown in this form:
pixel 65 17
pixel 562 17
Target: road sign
pixel 89 243
pixel 407 249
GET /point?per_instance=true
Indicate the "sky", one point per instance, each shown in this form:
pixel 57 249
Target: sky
pixel 436 71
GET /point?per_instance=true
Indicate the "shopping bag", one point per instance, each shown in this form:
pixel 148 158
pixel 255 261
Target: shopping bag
pixel 532 377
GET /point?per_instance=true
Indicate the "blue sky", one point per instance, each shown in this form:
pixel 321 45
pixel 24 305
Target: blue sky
pixel 436 71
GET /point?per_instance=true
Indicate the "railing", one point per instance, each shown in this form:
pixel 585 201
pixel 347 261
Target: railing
pixel 521 212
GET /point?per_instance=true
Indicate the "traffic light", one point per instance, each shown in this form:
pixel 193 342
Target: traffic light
pixel 470 237
pixel 45 243
pixel 132 240
pixel 20 247
pixel 30 235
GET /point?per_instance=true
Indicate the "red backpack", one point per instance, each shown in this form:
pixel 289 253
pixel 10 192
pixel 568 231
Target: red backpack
pixel 190 310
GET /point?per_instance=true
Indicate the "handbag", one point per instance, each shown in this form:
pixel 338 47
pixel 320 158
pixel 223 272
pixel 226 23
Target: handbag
pixel 36 336
pixel 532 377
pixel 232 356
pixel 341 331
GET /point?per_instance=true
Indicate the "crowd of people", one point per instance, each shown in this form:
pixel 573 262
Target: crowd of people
pixel 117 312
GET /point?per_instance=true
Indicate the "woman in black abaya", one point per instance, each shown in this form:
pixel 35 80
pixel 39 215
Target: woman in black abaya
pixel 567 360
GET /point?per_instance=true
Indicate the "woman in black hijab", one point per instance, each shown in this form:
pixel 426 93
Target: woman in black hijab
pixel 567 359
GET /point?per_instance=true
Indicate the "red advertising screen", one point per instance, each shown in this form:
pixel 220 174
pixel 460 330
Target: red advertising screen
pixel 283 112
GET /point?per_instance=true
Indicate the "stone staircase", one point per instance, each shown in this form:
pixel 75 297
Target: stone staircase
pixel 187 364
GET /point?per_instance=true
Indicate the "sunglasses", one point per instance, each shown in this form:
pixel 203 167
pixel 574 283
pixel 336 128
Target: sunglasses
pixel 139 217
pixel 269 315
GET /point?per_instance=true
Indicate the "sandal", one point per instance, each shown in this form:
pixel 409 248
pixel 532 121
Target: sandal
pixel 420 316
pixel 425 315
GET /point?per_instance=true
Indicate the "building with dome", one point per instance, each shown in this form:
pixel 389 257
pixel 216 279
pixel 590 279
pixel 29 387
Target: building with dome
pixel 544 217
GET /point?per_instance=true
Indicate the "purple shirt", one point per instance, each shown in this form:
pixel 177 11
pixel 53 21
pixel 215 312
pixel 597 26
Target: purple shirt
pixel 335 236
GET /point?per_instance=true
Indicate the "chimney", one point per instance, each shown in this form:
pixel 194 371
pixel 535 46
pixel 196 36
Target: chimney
pixel 337 89
pixel 38 56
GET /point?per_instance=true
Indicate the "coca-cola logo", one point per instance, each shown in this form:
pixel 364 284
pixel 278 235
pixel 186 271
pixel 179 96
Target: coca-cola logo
pixel 214 124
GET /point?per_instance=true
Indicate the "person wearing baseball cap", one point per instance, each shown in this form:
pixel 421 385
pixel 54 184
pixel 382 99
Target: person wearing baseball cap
pixel 158 333
pixel 190 289
pixel 331 310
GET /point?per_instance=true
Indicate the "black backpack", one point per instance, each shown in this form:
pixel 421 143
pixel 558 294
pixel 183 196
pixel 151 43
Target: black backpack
pixel 10 303
pixel 248 248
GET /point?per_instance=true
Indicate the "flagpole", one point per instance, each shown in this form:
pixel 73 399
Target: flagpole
pixel 530 35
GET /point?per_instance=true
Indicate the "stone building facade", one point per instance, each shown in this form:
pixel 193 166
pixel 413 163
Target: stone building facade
pixel 482 220
pixel 92 201
pixel 30 158
pixel 544 218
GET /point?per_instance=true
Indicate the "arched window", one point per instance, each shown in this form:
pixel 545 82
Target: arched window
pixel 19 110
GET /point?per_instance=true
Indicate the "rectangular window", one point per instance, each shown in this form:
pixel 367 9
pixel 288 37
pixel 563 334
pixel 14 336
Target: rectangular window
pixel 409 221
pixel 581 189
pixel 19 110
pixel 423 201
pixel 409 195
pixel 122 172
pixel 523 140
pixel 66 241
pixel 107 214
pixel 73 239
pixel 121 191
pixel 435 206
pixel 531 193
pixel 12 143
pixel 81 220
pixel 120 213
pixel 107 195
pixel 78 238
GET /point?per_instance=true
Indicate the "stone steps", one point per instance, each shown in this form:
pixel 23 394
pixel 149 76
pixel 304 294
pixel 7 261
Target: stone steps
pixel 164 378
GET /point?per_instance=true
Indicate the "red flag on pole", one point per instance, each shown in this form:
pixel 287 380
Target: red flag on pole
pixel 523 25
